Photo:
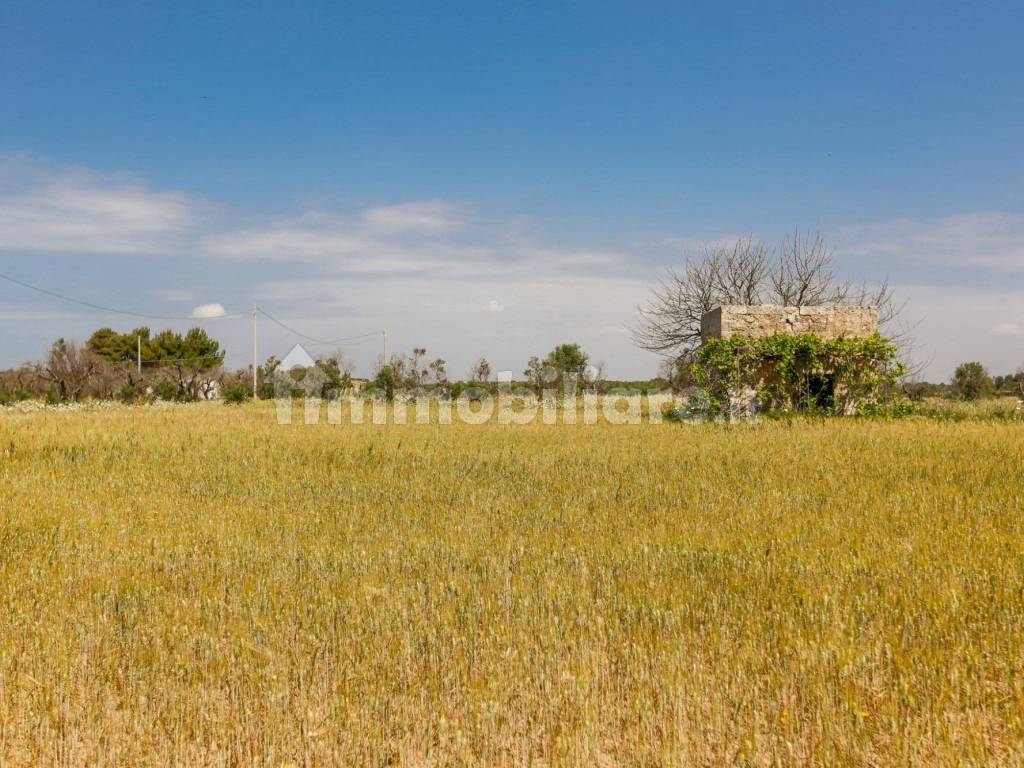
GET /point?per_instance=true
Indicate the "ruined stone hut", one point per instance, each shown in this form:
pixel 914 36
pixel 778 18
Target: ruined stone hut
pixel 764 320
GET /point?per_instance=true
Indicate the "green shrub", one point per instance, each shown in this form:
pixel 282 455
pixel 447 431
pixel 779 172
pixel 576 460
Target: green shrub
pixel 971 381
pixel 166 390
pixel 236 395
pixel 9 396
pixel 802 373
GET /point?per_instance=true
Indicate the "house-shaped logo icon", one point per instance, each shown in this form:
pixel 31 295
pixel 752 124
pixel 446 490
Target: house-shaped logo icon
pixel 299 374
pixel 297 358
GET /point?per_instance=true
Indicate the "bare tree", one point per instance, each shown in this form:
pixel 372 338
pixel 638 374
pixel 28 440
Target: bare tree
pixel 481 371
pixel 718 274
pixel 338 360
pixel 738 272
pixel 438 369
pixel 108 379
pixel 27 380
pixel 69 367
pixel 800 273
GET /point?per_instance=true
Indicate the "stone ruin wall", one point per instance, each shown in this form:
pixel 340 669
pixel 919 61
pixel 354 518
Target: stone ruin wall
pixel 759 321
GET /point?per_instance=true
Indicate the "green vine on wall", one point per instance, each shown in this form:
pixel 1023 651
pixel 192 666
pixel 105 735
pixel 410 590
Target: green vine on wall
pixel 798 372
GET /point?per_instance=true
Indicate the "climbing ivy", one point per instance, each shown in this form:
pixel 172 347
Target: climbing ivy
pixel 797 372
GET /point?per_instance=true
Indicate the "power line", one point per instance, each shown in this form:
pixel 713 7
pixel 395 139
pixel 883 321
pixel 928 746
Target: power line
pixel 172 359
pixel 315 340
pixel 102 308
pixel 311 339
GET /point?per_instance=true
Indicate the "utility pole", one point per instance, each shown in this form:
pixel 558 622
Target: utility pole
pixel 138 352
pixel 386 346
pixel 254 363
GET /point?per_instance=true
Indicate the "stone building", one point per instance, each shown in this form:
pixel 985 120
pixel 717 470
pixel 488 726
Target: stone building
pixel 763 320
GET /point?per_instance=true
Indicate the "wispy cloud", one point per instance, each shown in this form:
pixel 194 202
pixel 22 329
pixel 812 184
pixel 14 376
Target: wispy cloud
pixel 432 271
pixel 1008 329
pixel 311 238
pixel 363 244
pixel 989 240
pixel 80 211
pixel 534 313
pixel 340 243
pixel 428 216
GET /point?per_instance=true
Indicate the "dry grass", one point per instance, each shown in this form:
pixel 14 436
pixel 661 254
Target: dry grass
pixel 201 586
pixel 1006 407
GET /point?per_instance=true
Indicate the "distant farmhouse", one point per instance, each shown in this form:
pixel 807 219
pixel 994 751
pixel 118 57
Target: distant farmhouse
pixel 821 379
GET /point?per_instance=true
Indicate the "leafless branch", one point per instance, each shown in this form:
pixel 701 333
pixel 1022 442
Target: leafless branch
pixel 801 273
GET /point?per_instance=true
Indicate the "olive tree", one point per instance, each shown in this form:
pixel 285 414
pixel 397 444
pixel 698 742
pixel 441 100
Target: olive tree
pixel 69 367
pixel 971 381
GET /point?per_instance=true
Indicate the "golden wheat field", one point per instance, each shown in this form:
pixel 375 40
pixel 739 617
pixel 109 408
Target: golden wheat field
pixel 199 585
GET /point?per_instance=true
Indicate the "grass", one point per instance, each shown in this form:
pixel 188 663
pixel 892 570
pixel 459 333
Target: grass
pixel 197 585
pixel 1009 408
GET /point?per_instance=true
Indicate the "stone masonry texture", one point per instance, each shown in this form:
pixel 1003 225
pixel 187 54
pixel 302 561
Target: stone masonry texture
pixel 760 320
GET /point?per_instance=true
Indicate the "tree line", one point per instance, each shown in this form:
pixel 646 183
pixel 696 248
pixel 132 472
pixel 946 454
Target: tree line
pixel 799 271
pixel 174 366
pixel 190 366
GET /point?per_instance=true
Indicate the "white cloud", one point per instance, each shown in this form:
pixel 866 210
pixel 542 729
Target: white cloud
pixel 954 323
pixel 350 245
pixel 339 243
pixel 1008 329
pixel 551 308
pixel 571 257
pixel 422 268
pixel 79 211
pixel 208 311
pixel 430 216
pixel 311 238
pixel 991 240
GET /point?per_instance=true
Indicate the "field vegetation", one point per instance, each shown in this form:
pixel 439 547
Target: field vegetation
pixel 199 585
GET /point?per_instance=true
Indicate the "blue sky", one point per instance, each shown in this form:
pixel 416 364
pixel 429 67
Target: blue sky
pixel 486 180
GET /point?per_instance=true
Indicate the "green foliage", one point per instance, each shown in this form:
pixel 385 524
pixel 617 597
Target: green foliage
pixel 108 344
pixel 481 371
pixel 265 377
pixel 236 395
pixel 9 396
pixel 893 409
pixel 196 350
pixel 565 360
pixel 800 373
pixel 1011 384
pixel 989 409
pixel 335 380
pixel 190 356
pixel 130 393
pixel 536 374
pixel 165 389
pixel 387 381
pixel 568 359
pixel 971 381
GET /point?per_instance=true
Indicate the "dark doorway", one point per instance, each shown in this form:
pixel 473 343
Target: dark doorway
pixel 822 392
